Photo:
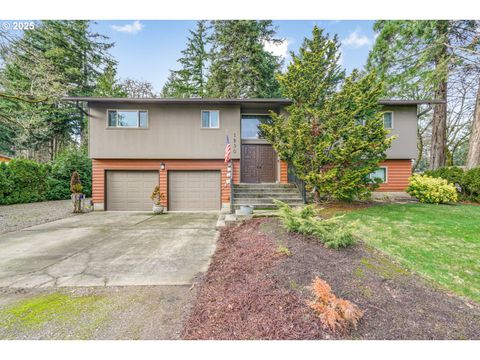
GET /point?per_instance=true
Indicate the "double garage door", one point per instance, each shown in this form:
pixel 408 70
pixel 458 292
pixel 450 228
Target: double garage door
pixel 187 190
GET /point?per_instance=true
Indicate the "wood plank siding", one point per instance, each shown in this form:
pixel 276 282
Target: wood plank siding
pixel 398 172
pixel 100 166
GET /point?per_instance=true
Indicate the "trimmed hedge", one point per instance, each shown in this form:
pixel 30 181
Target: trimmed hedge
pixel 26 181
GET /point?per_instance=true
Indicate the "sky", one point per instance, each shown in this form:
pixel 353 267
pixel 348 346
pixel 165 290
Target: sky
pixel 149 49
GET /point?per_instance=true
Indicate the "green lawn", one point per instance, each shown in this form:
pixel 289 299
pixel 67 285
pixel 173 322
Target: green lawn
pixel 441 242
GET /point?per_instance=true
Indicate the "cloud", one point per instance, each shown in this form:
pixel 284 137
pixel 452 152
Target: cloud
pixel 277 49
pixel 356 40
pixel 132 28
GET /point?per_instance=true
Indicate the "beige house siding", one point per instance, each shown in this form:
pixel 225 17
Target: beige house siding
pixel 174 132
pixel 405 128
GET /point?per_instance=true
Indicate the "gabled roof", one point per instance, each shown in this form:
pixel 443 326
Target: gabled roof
pixel 276 101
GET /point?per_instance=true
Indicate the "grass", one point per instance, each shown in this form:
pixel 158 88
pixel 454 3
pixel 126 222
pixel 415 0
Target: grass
pixel 34 313
pixel 441 242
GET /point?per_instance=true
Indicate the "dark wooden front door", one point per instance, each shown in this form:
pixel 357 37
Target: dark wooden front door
pixel 258 164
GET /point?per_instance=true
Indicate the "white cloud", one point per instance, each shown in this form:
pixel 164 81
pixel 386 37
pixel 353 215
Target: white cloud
pixel 356 40
pixel 132 28
pixel 277 49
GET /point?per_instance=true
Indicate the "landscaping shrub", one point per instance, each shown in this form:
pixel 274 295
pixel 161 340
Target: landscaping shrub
pixel 431 190
pixel 471 181
pixel 336 314
pixel 453 174
pixel 332 232
pixel 5 183
pixel 27 181
pixel 70 160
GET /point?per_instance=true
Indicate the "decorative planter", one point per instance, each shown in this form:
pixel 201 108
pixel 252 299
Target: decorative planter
pixel 246 209
pixel 158 209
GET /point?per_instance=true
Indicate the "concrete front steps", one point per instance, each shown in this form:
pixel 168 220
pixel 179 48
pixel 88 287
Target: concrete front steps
pixel 261 196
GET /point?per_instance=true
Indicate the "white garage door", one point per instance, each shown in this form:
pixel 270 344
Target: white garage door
pixel 193 190
pixel 130 190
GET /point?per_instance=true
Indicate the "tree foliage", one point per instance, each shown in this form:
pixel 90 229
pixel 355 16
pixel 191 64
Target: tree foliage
pixel 190 81
pixel 333 135
pixel 421 57
pixel 58 58
pixel 315 73
pixel 137 88
pixel 241 67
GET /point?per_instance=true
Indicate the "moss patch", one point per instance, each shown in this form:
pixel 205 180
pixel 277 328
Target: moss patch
pixel 33 313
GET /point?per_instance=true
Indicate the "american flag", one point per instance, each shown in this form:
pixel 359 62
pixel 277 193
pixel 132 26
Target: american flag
pixel 228 149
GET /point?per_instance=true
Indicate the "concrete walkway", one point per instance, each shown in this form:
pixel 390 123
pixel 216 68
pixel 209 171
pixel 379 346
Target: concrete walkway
pixel 109 249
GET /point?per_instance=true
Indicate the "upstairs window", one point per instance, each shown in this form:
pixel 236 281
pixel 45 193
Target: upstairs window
pixel 250 126
pixel 210 119
pixel 128 119
pixel 388 120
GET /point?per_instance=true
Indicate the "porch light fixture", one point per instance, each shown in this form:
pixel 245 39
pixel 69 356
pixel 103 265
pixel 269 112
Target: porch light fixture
pixel 162 166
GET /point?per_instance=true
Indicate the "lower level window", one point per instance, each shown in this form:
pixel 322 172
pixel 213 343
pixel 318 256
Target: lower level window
pixel 128 118
pixel 380 173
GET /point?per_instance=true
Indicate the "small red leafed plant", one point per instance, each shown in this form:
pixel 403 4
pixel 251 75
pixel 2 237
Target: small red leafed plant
pixel 336 314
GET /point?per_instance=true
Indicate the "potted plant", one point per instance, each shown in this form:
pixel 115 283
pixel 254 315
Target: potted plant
pixel 157 198
pixel 76 189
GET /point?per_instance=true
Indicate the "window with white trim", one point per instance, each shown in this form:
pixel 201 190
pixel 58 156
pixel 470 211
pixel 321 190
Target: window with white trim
pixel 380 173
pixel 128 119
pixel 210 119
pixel 388 120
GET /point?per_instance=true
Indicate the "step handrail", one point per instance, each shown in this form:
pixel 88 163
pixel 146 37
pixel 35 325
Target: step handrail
pixel 293 178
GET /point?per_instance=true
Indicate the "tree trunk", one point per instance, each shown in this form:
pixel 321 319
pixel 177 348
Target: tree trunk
pixel 473 157
pixel 439 122
pixel 439 128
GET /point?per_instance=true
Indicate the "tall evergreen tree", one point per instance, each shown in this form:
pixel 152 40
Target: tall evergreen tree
pixel 73 58
pixel 241 67
pixel 190 80
pixel 420 54
pixel 108 85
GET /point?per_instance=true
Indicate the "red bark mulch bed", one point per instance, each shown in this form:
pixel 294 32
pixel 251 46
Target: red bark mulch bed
pixel 252 292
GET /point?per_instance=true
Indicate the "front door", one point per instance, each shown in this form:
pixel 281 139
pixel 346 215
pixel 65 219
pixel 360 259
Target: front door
pixel 258 164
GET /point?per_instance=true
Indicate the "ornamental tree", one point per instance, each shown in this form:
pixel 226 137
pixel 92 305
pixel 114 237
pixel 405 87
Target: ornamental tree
pixel 335 138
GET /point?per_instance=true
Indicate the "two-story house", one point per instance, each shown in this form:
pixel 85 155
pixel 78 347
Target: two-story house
pixel 179 144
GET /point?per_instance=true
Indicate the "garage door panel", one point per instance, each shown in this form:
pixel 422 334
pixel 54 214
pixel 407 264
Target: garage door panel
pixel 194 190
pixel 130 190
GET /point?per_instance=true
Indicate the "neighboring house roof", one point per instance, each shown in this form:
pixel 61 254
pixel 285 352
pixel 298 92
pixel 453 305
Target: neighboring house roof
pixel 224 101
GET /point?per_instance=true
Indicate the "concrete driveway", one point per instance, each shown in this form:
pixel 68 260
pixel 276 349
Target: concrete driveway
pixel 109 249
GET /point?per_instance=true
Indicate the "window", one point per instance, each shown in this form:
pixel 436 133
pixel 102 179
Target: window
pixel 128 118
pixel 210 119
pixel 380 173
pixel 250 123
pixel 388 120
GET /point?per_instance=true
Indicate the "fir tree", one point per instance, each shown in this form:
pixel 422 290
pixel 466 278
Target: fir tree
pixel 190 80
pixel 241 67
